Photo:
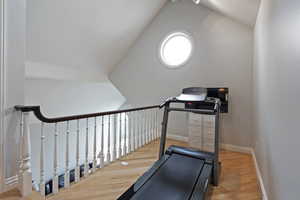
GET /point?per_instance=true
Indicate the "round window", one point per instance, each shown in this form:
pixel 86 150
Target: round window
pixel 176 49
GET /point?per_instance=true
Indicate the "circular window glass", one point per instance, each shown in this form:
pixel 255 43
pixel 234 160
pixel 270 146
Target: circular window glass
pixel 176 49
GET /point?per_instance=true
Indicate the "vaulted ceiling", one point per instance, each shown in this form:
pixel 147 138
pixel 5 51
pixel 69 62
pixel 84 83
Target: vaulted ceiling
pixel 79 39
pixel 244 11
pixel 68 35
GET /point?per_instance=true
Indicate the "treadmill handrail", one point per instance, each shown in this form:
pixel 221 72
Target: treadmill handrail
pixel 199 111
pixel 216 101
pixel 215 111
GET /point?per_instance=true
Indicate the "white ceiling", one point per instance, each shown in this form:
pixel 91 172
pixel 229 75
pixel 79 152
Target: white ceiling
pixel 85 34
pixel 96 35
pixel 244 11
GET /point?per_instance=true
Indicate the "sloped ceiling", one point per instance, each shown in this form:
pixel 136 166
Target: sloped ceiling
pixel 83 35
pixel 244 11
pixel 86 39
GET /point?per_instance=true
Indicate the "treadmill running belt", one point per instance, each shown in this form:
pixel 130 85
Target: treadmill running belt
pixel 174 180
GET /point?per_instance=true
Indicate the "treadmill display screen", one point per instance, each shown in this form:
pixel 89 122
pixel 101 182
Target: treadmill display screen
pixel 220 93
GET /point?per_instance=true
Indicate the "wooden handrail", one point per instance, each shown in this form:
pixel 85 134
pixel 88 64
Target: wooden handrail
pixel 37 112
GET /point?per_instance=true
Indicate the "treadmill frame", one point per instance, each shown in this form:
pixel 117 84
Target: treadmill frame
pixel 211 168
pixel 216 112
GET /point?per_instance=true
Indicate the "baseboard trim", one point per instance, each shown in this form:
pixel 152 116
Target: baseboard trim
pixel 259 176
pixel 10 183
pixel 236 148
pixel 177 137
pixel 228 147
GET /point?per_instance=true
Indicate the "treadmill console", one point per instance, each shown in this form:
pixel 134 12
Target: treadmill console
pixel 220 93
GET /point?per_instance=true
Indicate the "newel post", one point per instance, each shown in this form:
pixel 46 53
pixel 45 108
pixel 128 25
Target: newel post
pixel 25 174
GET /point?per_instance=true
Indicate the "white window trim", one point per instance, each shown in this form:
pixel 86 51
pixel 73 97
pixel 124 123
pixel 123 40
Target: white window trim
pixel 167 38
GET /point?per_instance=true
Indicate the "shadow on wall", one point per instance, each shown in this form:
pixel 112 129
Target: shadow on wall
pixel 61 98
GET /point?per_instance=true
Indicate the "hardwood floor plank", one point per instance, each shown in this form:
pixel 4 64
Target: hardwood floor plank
pixel 238 178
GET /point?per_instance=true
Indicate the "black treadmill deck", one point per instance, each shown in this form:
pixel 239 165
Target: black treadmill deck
pixel 174 177
pixel 181 171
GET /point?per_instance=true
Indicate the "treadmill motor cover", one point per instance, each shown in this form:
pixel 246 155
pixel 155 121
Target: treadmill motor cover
pixel 191 95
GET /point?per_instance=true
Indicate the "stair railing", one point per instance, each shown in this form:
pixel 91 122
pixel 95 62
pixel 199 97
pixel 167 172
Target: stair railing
pixel 119 132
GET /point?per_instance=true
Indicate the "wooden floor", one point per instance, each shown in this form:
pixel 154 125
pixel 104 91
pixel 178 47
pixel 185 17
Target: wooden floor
pixel 238 178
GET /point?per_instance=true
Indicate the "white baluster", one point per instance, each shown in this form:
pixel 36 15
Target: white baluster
pixel 134 130
pixel 153 125
pixel 42 178
pixel 148 126
pixel 86 164
pixel 55 163
pixel 95 147
pixel 101 153
pixel 77 169
pixel 25 173
pixel 140 129
pixel 67 171
pixel 144 128
pixel 125 136
pixel 129 133
pixel 156 124
pixel 114 152
pixel 20 159
pixel 120 137
pixel 159 124
pixel 108 155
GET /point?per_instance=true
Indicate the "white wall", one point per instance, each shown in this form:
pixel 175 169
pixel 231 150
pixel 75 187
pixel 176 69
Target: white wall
pixel 222 58
pixel 71 48
pixel 12 86
pixel 72 45
pixel 277 93
pixel 1 97
pixel 61 98
pixel 85 34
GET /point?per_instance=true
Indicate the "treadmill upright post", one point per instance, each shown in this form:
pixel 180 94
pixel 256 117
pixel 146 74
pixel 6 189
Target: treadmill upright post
pixel 216 167
pixel 164 130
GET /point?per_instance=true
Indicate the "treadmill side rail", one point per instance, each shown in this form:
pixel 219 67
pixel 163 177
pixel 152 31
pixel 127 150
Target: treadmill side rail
pixel 202 185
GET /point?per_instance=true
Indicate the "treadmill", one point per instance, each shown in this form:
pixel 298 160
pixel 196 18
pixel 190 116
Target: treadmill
pixel 183 173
